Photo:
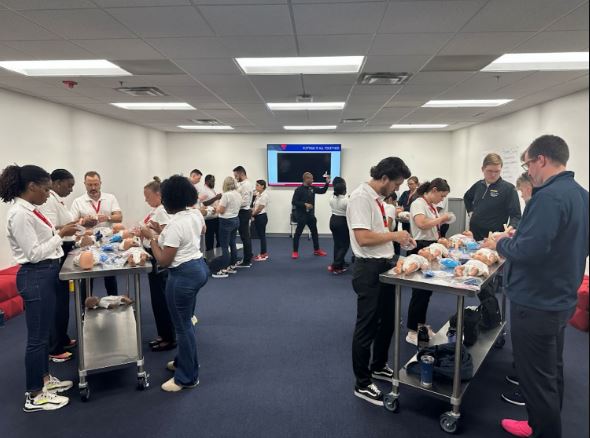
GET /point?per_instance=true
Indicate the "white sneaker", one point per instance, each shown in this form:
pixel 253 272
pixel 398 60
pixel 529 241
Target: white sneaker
pixel 44 401
pixel 170 366
pixel 56 386
pixel 220 274
pixel 431 333
pixel 171 386
pixel 412 338
pixel 231 270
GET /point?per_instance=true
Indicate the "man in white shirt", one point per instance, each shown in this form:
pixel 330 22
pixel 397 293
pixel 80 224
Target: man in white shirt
pixel 195 179
pixel 246 189
pixel 97 208
pixel 209 199
pixel 371 240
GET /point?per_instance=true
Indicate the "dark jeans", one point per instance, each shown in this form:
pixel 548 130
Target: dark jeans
pixel 244 229
pixel 182 287
pixel 537 343
pixel 212 234
pixel 38 285
pixel 157 279
pixel 339 229
pixel 375 318
pixel 59 338
pixel 304 219
pixel 420 297
pixel 260 221
pixel 228 229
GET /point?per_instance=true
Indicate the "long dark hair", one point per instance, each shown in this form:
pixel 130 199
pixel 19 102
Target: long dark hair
pixel 15 179
pixel 437 183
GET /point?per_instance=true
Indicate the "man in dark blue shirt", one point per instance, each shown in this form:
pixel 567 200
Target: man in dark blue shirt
pixel 545 263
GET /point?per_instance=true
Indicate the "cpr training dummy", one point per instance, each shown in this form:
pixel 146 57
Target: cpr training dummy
pixel 473 268
pixel 434 251
pixel 487 256
pixel 108 302
pixel 410 264
pixel 87 259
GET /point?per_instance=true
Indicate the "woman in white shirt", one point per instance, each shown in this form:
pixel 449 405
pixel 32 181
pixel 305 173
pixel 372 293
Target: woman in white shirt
pixel 425 223
pixel 36 246
pixel 228 211
pixel 157 219
pixel 261 218
pixel 339 226
pixel 391 211
pixel 178 249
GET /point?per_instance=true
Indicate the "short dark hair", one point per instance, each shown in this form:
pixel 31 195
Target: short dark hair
pixel 391 167
pixel 209 178
pixel 61 174
pixel 261 182
pixel 240 169
pixel 177 193
pixel 437 183
pixel 92 173
pixel 339 186
pixel 550 146
pixel 15 179
pixel 196 171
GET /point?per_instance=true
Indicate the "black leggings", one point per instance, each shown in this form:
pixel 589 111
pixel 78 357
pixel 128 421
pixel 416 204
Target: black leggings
pixel 420 297
pixel 212 234
pixel 339 229
pixel 260 221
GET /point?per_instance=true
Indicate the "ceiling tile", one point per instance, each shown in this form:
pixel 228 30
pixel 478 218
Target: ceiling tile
pixel 187 48
pixel 132 3
pixel 390 115
pixel 577 20
pixel 15 27
pixel 248 19
pixel 22 5
pixel 558 41
pixel 157 22
pixel 260 46
pixel 484 43
pixel 8 53
pixel 334 45
pixel 241 2
pixel 399 63
pixel 230 88
pixel 439 77
pixel 485 85
pixel 220 66
pixel 409 44
pixel 275 88
pixel 538 82
pixel 50 49
pixel 115 49
pixel 326 19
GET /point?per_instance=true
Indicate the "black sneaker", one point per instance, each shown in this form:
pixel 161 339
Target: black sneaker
pixel 370 393
pixel 240 264
pixel 385 373
pixel 514 397
pixel 513 379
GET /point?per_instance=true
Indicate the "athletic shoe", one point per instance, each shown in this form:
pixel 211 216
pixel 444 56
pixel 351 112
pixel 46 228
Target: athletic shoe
pixel 320 252
pixel 370 393
pixel 171 386
pixel 514 397
pixel 517 428
pixel 513 379
pixel 220 274
pixel 241 265
pixel 71 345
pixel 294 255
pixel 261 257
pixel 59 358
pixel 330 268
pixel 54 385
pixel 431 333
pixel 231 270
pixel 383 374
pixel 170 366
pixel 412 338
pixel 44 401
pixel 338 271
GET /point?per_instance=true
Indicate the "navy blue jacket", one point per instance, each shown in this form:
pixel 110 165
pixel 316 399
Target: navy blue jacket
pixel 547 256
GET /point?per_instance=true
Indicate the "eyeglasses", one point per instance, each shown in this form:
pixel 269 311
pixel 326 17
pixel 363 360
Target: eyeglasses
pixel 525 165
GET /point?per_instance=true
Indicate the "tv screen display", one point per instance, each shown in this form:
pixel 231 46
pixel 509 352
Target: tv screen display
pixel 288 162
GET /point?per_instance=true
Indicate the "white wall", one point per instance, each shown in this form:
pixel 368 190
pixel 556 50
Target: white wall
pixel 425 153
pixel 38 132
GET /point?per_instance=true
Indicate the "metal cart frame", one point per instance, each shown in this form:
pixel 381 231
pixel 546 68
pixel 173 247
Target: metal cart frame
pixel 449 421
pixel 74 273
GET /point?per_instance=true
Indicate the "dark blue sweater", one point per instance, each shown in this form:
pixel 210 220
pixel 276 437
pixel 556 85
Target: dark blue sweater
pixel 547 256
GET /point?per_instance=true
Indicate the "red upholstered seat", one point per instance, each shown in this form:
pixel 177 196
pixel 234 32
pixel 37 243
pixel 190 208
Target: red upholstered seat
pixel 580 320
pixel 10 301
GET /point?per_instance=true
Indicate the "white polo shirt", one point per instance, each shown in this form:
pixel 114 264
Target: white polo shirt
pixel 246 190
pixel 56 211
pixel 261 200
pixel 85 206
pixel 31 239
pixel 158 215
pixel 205 195
pixel 338 205
pixel 363 212
pixel 184 233
pixel 231 201
pixel 421 207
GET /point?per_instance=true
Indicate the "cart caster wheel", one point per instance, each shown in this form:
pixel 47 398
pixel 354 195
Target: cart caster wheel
pixel 85 394
pixel 142 383
pixel 448 423
pixel 500 342
pixel 391 403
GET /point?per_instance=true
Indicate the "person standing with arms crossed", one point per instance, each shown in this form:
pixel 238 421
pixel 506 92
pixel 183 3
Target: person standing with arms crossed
pixel 246 190
pixel 371 240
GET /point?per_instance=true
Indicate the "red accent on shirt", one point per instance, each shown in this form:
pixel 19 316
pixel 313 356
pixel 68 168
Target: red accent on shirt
pixel 43 218
pixel 96 207
pixel 435 212
pixel 380 204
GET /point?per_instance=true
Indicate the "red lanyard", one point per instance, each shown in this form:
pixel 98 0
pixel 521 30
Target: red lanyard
pixel 43 218
pixel 380 204
pixel 96 207
pixel 147 218
pixel 57 199
pixel 435 212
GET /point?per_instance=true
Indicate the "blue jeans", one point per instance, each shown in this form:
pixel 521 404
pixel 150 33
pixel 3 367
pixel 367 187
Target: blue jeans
pixel 228 229
pixel 38 285
pixel 182 287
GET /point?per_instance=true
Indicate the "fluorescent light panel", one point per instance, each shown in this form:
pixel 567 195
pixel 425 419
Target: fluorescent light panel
pixel 301 65
pixel 205 127
pixel 419 126
pixel 309 128
pixel 302 106
pixel 75 67
pixel 153 106
pixel 473 103
pixel 540 62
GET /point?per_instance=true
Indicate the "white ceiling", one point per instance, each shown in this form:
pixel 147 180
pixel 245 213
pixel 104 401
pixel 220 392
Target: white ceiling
pixel 201 37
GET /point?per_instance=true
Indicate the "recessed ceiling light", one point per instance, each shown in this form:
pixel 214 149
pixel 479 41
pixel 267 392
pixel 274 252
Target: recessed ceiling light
pixel 309 128
pixel 301 65
pixel 207 127
pixel 300 106
pixel 419 126
pixel 151 106
pixel 473 103
pixel 75 67
pixel 539 62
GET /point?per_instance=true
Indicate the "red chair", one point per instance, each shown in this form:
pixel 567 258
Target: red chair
pixel 580 319
pixel 11 302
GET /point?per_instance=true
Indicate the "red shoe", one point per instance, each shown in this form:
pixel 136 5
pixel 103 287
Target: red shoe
pixel 261 258
pixel 294 255
pixel 330 268
pixel 59 358
pixel 320 252
pixel 517 428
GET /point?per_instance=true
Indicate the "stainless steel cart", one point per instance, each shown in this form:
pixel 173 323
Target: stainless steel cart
pixel 107 338
pixel 449 421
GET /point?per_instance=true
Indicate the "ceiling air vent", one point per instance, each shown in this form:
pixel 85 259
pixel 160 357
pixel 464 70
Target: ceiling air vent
pixel 206 122
pixel 384 78
pixel 142 91
pixel 353 121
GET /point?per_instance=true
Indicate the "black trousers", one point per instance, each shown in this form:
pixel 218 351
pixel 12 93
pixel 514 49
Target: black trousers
pixel 110 284
pixel 537 343
pixel 339 228
pixel 375 318
pixel 304 219
pixel 244 230
pixel 260 222
pixel 59 338
pixel 212 234
pixel 418 306
pixel 164 326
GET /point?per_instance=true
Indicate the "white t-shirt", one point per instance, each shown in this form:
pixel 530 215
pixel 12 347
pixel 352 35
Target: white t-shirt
pixel 205 195
pixel 261 200
pixel 421 207
pixel 184 233
pixel 56 211
pixel 158 215
pixel 85 206
pixel 246 190
pixel 231 201
pixel 363 212
pixel 338 205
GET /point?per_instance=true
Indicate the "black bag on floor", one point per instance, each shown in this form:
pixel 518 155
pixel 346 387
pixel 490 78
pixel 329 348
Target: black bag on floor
pixel 471 323
pixel 444 362
pixel 489 308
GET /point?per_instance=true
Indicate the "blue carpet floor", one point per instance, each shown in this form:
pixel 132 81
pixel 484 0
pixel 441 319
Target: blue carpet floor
pixel 274 345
